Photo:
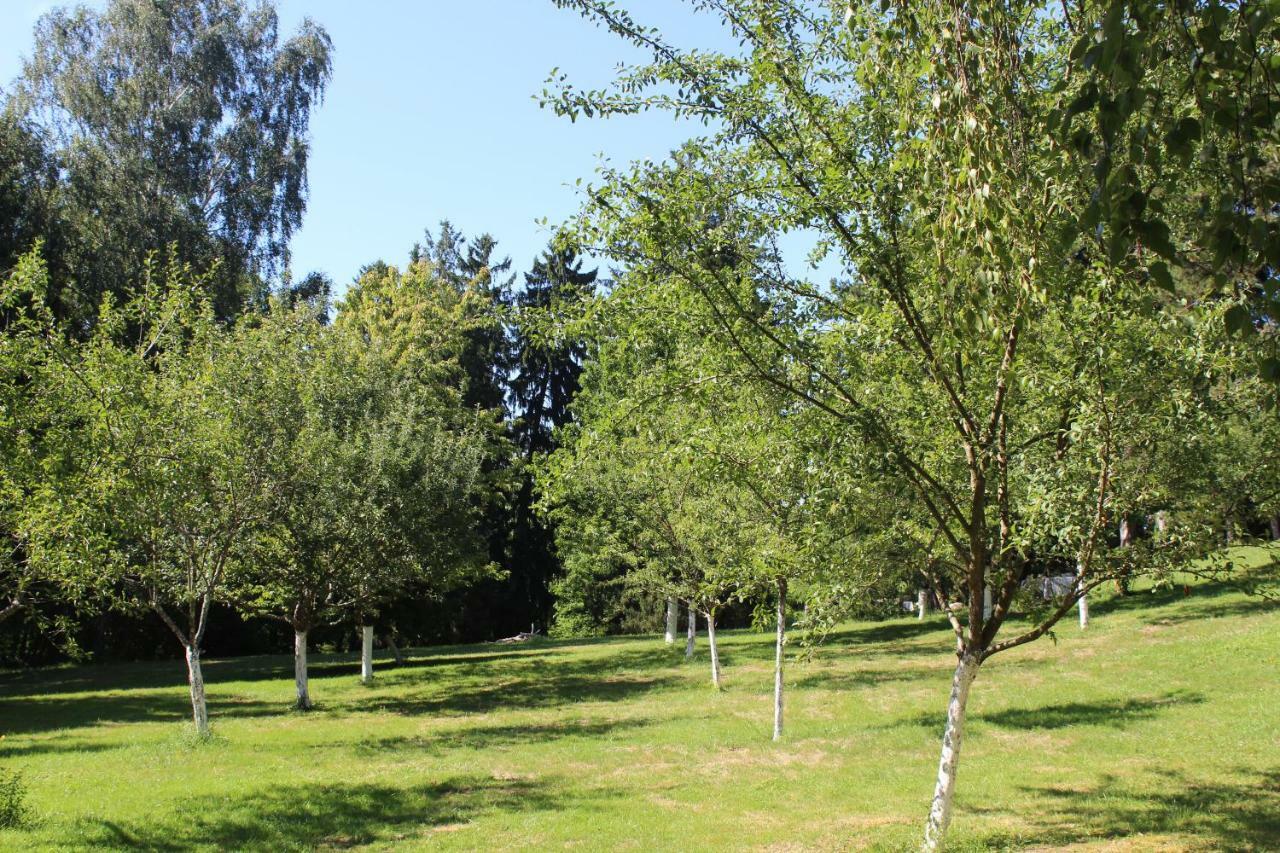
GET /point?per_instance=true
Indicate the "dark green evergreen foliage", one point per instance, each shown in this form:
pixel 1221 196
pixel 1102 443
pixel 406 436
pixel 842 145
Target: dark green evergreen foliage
pixel 166 123
pixel 547 370
pixel 470 264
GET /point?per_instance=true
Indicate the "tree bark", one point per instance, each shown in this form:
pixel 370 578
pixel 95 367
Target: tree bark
pixel 692 632
pixel 303 702
pixel 673 620
pixel 1162 522
pixel 1275 527
pixel 715 652
pixel 366 654
pixel 922 604
pixel 940 812
pixel 1083 603
pixel 986 603
pixel 396 655
pixel 1126 532
pixel 778 658
pixel 195 678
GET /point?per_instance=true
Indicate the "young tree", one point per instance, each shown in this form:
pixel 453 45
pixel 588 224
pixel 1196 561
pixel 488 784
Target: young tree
pixel 911 142
pixel 165 457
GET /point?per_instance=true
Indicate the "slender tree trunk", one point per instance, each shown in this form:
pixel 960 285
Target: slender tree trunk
pixel 940 812
pixel 715 652
pixel 303 702
pixel 986 603
pixel 692 632
pixel 195 677
pixel 922 604
pixel 778 658
pixel 1275 527
pixel 1126 532
pixel 1229 528
pixel 673 620
pixel 396 654
pixel 1162 523
pixel 1083 603
pixel 366 654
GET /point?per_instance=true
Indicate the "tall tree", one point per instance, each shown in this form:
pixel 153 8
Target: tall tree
pixel 180 123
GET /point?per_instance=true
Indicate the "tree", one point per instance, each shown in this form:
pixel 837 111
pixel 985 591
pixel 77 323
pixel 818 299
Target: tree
pixel 177 122
pixel 164 452
pixel 912 143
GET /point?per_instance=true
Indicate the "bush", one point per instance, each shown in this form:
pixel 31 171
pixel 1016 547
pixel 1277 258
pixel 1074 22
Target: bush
pixel 13 799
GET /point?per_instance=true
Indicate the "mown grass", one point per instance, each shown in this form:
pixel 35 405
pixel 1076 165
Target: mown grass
pixel 1157 729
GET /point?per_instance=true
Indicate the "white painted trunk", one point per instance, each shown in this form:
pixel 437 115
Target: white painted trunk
pixel 1126 533
pixel 1083 606
pixel 715 652
pixel 692 632
pixel 986 603
pixel 673 620
pixel 195 678
pixel 922 604
pixel 778 658
pixel 303 701
pixel 366 654
pixel 935 830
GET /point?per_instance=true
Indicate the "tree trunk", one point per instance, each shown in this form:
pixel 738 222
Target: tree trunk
pixel 777 666
pixel 986 603
pixel 922 604
pixel 715 652
pixel 1162 522
pixel 1275 526
pixel 1083 605
pixel 303 702
pixel 395 650
pixel 1229 528
pixel 940 812
pixel 1126 532
pixel 693 632
pixel 195 677
pixel 673 620
pixel 366 654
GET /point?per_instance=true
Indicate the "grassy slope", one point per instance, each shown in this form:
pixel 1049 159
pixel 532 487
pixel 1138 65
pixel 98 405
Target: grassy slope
pixel 1159 728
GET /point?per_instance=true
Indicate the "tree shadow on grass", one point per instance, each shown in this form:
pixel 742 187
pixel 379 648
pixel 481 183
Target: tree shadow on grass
pixel 40 714
pixel 535 684
pixel 1235 815
pixel 1113 713
pixel 861 679
pixel 307 817
pixel 485 737
pixel 157 674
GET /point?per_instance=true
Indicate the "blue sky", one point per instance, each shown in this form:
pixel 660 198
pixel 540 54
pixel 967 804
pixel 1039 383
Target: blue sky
pixel 430 115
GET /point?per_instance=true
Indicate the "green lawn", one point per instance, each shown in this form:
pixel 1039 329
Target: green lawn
pixel 1157 729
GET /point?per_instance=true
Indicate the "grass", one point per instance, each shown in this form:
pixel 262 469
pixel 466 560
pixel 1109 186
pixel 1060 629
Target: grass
pixel 1157 729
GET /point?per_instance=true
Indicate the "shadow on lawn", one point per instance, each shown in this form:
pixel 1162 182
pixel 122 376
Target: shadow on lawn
pixel 533 684
pixel 159 674
pixel 485 737
pixel 306 817
pixel 39 714
pixel 1114 713
pixel 1243 815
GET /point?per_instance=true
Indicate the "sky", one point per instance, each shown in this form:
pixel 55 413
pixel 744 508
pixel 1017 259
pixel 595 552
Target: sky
pixel 430 115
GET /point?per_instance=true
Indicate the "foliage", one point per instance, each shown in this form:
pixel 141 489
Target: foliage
pixel 179 122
